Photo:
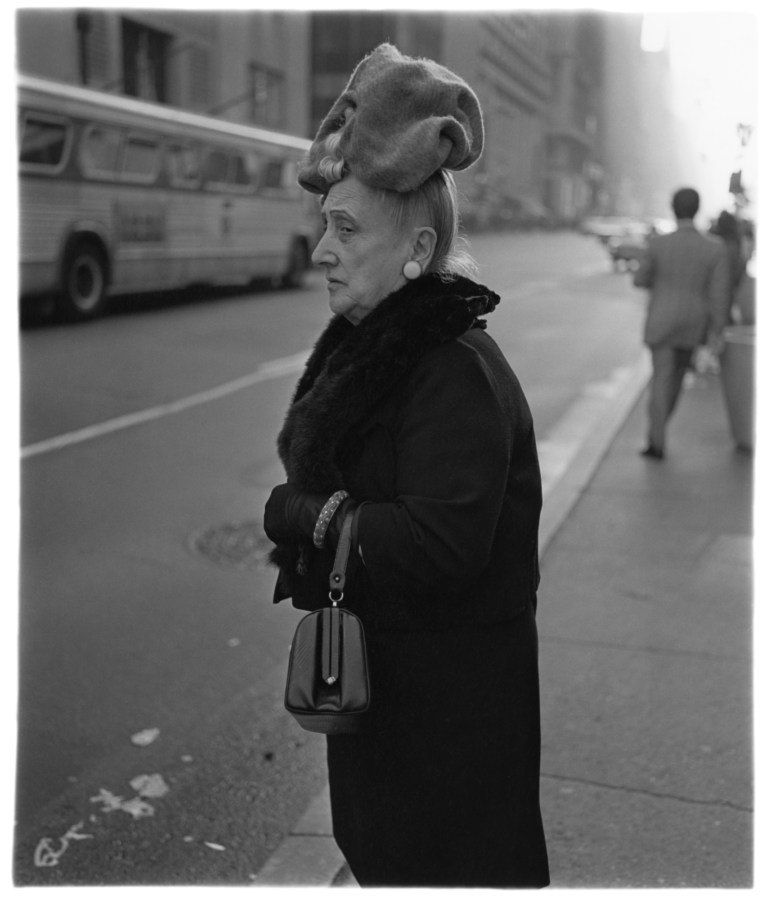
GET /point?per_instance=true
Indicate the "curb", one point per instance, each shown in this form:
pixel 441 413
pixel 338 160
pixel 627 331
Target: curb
pixel 308 855
pixel 604 408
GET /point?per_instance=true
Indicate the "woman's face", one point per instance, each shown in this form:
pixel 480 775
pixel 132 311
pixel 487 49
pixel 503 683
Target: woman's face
pixel 361 251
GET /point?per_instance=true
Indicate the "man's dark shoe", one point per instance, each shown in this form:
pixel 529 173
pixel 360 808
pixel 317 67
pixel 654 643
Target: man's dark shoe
pixel 652 452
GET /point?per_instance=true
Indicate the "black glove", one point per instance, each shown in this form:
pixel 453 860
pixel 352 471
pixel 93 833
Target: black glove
pixel 290 513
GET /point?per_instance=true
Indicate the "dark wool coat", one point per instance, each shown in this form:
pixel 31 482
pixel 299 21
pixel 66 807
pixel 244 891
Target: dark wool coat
pixel 418 415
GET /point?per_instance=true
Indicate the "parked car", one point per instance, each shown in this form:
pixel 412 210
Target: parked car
pixel 628 248
pixel 605 227
pixel 520 213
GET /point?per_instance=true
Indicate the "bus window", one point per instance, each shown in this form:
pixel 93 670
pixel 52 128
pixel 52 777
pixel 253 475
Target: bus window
pixel 141 159
pixel 241 174
pixel 279 178
pixel 99 150
pixel 227 171
pixel 44 142
pixel 184 166
pixel 174 197
pixel 272 174
pixel 216 167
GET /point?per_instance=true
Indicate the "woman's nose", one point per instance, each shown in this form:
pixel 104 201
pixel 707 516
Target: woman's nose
pixel 323 253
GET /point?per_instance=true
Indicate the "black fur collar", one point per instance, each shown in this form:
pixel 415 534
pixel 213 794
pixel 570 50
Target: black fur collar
pixel 352 368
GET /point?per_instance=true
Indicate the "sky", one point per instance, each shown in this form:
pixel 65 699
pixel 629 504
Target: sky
pixel 714 58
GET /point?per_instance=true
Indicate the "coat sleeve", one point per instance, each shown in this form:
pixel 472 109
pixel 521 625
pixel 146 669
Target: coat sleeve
pixel 452 452
pixel 719 290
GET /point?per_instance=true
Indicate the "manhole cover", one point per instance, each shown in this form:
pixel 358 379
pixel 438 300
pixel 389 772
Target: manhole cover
pixel 242 545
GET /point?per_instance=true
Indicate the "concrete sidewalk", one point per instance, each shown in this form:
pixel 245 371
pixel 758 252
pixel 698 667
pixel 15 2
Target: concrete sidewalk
pixel 645 622
pixel 645 626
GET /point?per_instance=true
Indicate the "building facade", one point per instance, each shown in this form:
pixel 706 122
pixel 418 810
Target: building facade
pixel 576 116
pixel 505 60
pixel 339 40
pixel 574 170
pixel 643 149
pixel 248 67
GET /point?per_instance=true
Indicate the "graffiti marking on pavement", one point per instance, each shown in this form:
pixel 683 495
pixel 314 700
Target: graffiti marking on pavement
pixel 47 855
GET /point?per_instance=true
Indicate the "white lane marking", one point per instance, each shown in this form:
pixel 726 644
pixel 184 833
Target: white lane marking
pixel 275 368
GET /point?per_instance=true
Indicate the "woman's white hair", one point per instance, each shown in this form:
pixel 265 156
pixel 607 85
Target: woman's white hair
pixel 434 204
pixel 332 166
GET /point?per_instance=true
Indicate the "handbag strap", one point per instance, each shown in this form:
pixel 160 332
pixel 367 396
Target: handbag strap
pixel 337 575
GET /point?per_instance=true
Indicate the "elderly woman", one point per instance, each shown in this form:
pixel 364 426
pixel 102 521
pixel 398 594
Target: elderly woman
pixel 408 405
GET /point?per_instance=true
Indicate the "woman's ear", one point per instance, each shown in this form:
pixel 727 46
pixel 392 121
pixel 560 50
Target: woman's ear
pixel 423 245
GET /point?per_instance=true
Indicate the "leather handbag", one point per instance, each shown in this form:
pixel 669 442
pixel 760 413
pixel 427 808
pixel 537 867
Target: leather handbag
pixel 327 685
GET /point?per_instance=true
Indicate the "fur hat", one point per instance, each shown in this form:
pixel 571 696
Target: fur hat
pixel 400 120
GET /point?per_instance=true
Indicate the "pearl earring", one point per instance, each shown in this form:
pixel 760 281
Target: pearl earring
pixel 412 270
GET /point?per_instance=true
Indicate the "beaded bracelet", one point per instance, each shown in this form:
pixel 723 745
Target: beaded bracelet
pixel 325 517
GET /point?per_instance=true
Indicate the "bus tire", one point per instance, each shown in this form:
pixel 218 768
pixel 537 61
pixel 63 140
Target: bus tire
pixel 84 282
pixel 298 266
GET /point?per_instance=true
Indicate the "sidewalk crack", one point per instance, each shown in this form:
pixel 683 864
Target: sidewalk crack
pixel 726 804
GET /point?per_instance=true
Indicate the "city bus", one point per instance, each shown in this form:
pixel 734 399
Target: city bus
pixel 121 196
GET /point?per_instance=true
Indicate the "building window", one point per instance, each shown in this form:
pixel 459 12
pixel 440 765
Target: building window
pixel 145 54
pixel 93 50
pixel 266 88
pixel 199 77
pixel 339 40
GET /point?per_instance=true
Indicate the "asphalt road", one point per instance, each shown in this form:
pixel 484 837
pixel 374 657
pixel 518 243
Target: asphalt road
pixel 148 450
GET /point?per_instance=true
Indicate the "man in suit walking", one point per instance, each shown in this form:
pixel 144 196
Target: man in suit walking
pixel 687 274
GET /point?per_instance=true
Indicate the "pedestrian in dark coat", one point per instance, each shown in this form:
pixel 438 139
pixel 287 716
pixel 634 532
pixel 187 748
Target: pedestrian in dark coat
pixel 686 273
pixel 728 229
pixel 409 406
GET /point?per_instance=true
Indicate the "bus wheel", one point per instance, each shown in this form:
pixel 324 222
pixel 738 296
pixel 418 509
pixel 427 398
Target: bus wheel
pixel 298 265
pixel 84 282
